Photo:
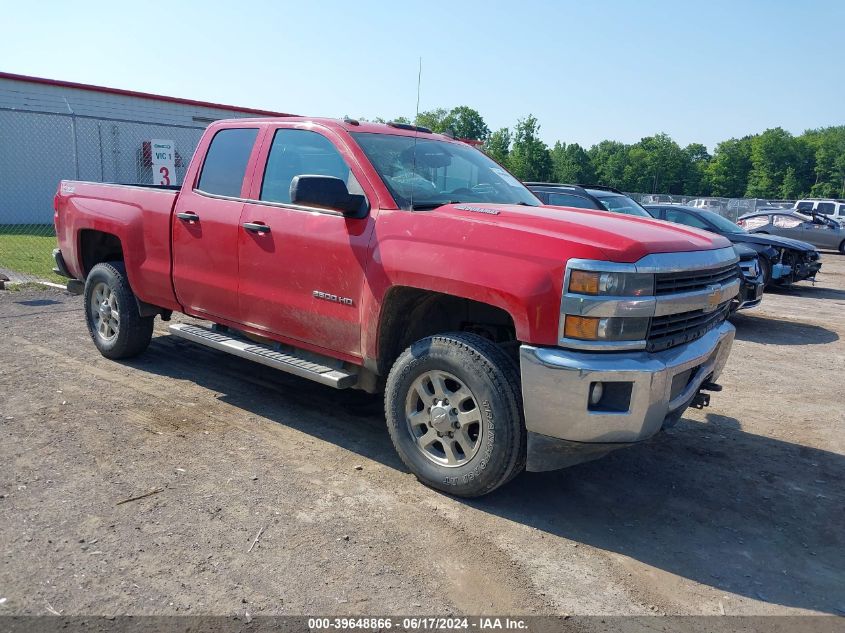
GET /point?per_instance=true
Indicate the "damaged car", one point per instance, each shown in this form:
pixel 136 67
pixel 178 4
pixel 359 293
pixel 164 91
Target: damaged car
pixel 783 260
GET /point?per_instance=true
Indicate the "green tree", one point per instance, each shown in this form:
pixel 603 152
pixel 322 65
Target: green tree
pixel 529 157
pixel 609 159
pixel 571 164
pixel 664 166
pixel 432 119
pixel 828 148
pixel 791 187
pixel 772 153
pixel 466 123
pixel 728 171
pixel 498 146
pixel 696 162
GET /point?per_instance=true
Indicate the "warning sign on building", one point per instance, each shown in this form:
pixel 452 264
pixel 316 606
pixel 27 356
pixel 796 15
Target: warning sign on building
pixel 164 161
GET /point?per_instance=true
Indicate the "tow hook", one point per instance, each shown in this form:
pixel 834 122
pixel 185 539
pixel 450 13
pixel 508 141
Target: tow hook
pixel 700 400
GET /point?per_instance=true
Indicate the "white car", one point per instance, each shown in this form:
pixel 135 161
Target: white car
pixel 834 209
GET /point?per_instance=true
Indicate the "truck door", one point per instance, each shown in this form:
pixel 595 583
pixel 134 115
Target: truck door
pixel 206 223
pixel 302 269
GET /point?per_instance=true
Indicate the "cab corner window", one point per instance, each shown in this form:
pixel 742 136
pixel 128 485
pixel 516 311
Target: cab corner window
pixel 225 161
pixel 298 153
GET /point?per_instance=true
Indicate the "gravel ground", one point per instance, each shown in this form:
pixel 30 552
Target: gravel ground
pixel 274 495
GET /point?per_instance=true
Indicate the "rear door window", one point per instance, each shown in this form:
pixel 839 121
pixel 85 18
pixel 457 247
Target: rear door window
pixel 756 222
pixel 225 161
pixel 787 222
pixel 826 207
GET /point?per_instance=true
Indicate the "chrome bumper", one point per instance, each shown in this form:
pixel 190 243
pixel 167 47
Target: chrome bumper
pixel 660 386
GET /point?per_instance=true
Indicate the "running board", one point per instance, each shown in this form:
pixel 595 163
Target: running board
pixel 337 378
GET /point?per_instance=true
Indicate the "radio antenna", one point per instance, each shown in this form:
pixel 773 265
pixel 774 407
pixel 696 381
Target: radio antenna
pixel 416 132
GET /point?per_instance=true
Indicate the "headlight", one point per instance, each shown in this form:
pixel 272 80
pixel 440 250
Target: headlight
pixel 750 270
pixel 605 328
pixel 588 282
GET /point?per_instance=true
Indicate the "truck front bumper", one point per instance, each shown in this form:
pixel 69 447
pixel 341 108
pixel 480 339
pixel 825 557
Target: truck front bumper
pixel 639 394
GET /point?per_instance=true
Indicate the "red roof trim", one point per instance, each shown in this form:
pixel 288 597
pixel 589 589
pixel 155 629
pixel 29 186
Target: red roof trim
pixel 134 93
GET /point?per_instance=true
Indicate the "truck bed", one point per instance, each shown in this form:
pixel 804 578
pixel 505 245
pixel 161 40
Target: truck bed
pixel 138 215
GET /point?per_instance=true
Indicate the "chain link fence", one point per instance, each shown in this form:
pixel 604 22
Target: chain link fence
pixel 39 149
pixel 731 208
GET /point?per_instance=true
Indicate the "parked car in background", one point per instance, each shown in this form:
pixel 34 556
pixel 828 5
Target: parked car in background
pixel 658 198
pixel 586 197
pixel 608 199
pixel 751 292
pixel 711 204
pixel 834 209
pixel 782 260
pixel 816 229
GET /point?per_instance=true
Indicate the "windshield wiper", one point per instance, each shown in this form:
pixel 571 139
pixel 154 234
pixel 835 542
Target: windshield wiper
pixel 428 206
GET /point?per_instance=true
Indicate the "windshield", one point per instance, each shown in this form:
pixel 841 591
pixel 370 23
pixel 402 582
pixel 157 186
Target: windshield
pixel 425 173
pixel 721 222
pixel 623 204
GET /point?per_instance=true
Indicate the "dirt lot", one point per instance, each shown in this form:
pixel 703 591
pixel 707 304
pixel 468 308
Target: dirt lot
pixel 740 509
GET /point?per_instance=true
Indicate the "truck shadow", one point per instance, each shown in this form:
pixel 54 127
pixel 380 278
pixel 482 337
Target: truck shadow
pixel 709 502
pixel 752 515
pixel 766 331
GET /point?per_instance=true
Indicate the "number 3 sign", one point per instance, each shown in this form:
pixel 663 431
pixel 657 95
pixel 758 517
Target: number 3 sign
pixel 164 161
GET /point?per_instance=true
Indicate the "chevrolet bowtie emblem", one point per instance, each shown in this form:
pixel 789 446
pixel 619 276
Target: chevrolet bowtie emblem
pixel 713 296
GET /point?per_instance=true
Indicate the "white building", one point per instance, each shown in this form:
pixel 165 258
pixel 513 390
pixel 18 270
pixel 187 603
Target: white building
pixel 50 130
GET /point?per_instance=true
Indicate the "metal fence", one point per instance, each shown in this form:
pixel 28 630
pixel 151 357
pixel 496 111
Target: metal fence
pixel 39 149
pixel 731 208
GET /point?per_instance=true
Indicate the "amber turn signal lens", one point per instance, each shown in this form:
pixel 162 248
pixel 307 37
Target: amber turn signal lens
pixel 581 327
pixel 583 282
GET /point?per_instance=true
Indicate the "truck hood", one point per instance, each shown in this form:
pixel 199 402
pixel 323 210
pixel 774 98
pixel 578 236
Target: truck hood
pixel 623 238
pixel 771 240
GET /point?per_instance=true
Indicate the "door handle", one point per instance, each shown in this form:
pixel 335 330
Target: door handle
pixel 256 227
pixel 188 216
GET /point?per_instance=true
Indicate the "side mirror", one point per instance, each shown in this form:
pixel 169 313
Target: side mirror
pixel 326 192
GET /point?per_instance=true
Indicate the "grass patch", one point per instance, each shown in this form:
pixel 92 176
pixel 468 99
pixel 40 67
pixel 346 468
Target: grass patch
pixel 28 249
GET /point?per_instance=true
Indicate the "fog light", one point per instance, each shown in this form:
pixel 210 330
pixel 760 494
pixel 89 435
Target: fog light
pixel 596 392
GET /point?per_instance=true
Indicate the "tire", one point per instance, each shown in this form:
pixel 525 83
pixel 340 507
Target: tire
pixel 766 268
pixel 842 248
pixel 480 448
pixel 108 295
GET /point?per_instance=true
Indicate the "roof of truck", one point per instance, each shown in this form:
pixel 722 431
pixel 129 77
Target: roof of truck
pixel 350 125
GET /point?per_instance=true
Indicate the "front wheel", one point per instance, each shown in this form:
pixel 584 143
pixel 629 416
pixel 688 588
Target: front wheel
pixel 454 413
pixel 111 313
pixel 766 269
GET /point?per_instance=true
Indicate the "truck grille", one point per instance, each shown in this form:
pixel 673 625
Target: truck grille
pixel 689 281
pixel 677 329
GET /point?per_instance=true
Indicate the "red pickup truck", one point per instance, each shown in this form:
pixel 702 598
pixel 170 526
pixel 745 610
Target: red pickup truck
pixel 504 334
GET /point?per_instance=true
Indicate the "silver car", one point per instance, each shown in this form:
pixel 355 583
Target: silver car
pixel 818 230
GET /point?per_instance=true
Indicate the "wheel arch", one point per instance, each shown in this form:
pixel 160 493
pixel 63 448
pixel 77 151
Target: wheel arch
pixel 409 314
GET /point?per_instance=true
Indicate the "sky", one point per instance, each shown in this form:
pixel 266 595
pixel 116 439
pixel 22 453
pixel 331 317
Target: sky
pixel 700 71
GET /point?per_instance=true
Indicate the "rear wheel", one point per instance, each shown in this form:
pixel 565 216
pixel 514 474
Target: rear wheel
pixel 111 313
pixel 454 413
pixel 842 247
